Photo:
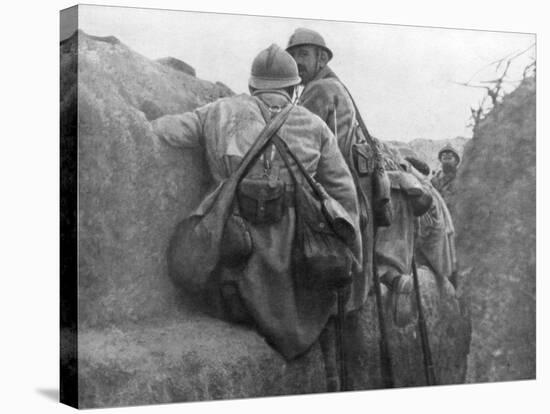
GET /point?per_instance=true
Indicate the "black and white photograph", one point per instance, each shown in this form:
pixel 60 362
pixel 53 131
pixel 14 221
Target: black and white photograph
pixel 249 205
pixel 316 206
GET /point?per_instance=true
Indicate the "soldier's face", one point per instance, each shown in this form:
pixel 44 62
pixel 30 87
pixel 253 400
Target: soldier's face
pixel 448 160
pixel 306 58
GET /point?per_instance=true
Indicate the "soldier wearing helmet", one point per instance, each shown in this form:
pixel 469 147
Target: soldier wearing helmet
pixel 260 290
pixel 444 179
pixel 323 93
pixel 327 97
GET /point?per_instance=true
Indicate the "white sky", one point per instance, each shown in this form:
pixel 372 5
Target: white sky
pixel 402 77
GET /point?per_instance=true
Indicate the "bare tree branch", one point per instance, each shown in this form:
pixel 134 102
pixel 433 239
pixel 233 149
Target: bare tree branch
pixel 532 65
pixel 495 91
pixel 470 86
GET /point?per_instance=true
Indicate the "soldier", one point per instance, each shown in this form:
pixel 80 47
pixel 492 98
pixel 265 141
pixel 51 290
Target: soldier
pixel 326 96
pixel 435 241
pixel 444 179
pixel 262 291
pixel 323 93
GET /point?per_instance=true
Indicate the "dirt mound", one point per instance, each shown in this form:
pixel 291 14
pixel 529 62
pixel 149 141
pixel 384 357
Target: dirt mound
pixel 496 236
pixel 131 189
pixel 178 65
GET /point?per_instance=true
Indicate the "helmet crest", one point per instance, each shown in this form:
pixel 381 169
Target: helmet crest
pixel 273 68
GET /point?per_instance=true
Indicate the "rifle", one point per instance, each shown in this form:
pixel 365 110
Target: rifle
pixel 340 323
pixel 341 318
pixel 428 363
pixel 385 356
pixel 380 184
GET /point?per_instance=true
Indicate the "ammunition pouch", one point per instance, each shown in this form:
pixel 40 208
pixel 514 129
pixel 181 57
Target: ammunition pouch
pixel 262 200
pixel 363 159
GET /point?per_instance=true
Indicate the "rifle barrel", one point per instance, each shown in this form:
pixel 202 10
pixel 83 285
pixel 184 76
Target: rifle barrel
pixel 428 363
pixel 340 339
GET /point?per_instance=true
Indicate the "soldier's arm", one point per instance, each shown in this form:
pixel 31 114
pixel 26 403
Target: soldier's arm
pixel 335 176
pixel 182 130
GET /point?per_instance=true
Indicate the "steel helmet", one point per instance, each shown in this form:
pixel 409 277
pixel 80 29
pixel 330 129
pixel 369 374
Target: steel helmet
pixel 448 148
pixel 307 37
pixel 273 68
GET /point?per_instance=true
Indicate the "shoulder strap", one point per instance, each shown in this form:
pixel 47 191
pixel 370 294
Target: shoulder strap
pixel 357 113
pixel 283 149
pixel 282 152
pixel 261 142
pixel 363 126
pixel 378 159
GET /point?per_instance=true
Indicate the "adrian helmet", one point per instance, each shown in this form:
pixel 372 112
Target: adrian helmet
pixel 273 68
pixel 307 37
pixel 449 148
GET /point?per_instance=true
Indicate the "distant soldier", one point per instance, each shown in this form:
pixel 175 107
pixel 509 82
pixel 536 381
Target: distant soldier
pixel 435 242
pixel 261 290
pixel 444 179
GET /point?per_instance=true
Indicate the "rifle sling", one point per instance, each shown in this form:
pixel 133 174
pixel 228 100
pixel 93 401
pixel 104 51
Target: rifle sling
pixel 270 129
pixel 283 147
pixel 358 116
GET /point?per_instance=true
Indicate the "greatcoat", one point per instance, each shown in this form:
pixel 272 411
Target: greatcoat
pixel 445 184
pixel 435 244
pixel 290 318
pixel 327 98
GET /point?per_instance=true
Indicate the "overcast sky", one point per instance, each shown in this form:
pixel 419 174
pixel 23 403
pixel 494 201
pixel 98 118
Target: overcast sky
pixel 402 77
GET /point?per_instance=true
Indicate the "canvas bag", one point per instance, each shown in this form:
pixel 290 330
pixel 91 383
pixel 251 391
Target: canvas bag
pixel 323 246
pixel 195 247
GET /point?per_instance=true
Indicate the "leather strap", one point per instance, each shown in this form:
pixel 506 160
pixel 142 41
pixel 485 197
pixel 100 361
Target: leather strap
pixel 262 141
pixel 283 149
pixel 362 125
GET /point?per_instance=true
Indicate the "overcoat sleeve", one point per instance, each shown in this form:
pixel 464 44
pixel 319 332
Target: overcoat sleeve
pixel 334 175
pixel 182 130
